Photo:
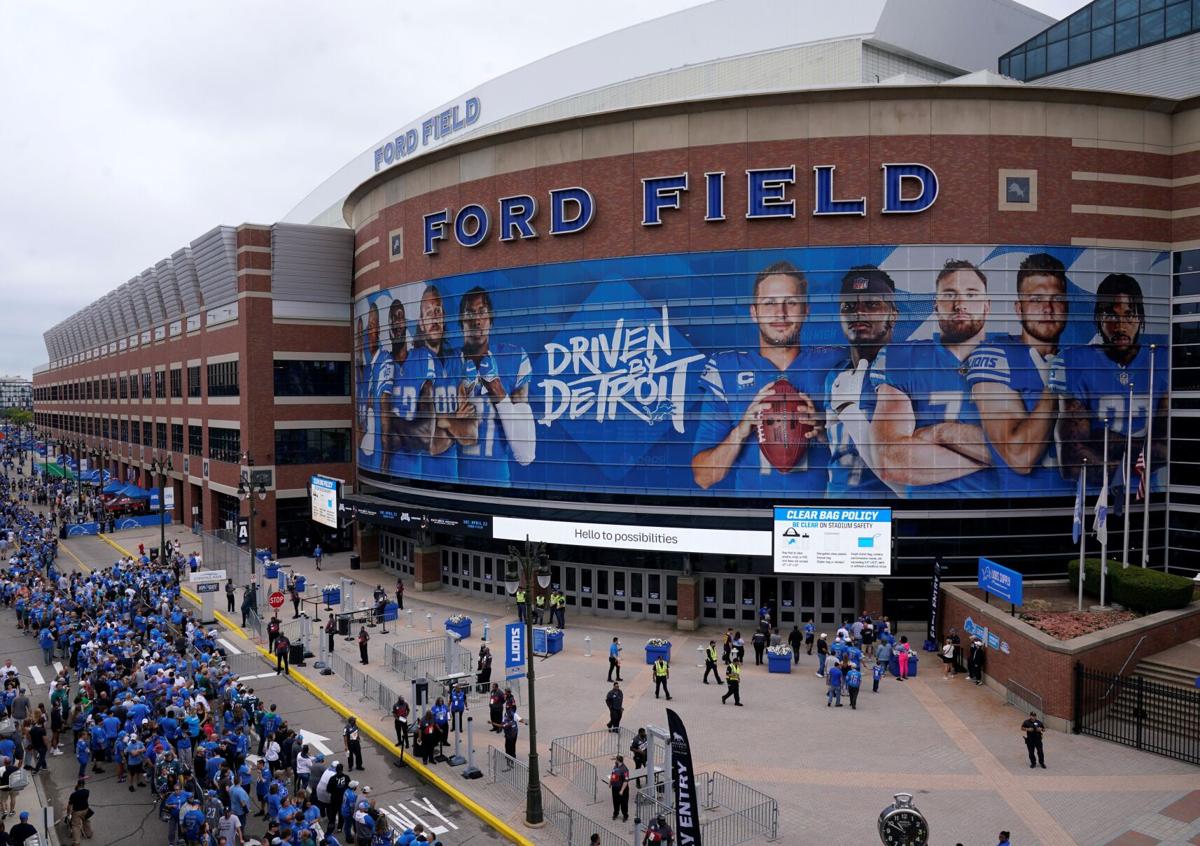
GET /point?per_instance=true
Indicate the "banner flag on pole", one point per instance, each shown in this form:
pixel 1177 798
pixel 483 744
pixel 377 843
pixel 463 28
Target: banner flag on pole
pixel 683 780
pixel 1140 467
pixel 1077 524
pixel 1100 527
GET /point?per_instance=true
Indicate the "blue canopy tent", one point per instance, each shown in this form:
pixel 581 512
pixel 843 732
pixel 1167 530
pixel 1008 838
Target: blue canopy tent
pixel 112 487
pixel 134 492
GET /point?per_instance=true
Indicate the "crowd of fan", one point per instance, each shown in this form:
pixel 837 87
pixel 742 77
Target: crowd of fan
pixel 145 689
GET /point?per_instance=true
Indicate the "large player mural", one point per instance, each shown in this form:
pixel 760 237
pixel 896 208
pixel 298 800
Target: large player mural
pixel 846 373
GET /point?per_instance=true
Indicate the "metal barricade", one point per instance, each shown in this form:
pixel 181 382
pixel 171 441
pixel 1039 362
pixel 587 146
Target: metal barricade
pixel 735 813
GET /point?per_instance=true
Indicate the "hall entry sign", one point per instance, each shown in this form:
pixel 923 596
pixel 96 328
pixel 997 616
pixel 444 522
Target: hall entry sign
pixel 832 541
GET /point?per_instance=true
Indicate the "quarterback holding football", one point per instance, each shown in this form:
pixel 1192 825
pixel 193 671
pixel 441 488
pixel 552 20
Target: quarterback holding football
pixel 759 426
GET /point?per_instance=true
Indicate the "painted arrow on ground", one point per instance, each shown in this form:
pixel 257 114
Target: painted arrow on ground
pixel 316 741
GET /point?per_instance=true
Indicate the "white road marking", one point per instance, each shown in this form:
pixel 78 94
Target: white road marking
pixel 58 668
pixel 37 675
pixel 259 676
pixel 229 647
pixel 405 817
pixel 316 741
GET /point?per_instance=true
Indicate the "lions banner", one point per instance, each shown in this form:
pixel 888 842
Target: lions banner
pixel 922 372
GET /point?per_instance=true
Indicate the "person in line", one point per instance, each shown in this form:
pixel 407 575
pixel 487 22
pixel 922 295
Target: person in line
pixel 853 683
pixel 833 691
pixel 353 745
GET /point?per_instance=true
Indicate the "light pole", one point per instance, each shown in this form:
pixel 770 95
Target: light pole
pixel 246 487
pixel 162 468
pixel 522 568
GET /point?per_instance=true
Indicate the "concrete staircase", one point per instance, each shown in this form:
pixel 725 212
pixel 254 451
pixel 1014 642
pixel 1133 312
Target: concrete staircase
pixel 1156 670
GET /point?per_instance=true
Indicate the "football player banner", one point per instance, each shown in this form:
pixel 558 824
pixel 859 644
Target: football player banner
pixel 837 373
pixel 683 783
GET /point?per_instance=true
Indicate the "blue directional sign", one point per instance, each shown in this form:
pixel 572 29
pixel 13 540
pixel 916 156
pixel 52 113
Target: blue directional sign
pixel 1000 580
pixel 514 650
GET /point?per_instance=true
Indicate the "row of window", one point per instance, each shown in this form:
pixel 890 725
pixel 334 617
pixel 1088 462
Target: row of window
pixel 292 379
pixel 1099 30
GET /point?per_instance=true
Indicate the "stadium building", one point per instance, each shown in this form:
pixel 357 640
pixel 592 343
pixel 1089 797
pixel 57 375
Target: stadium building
pixel 779 317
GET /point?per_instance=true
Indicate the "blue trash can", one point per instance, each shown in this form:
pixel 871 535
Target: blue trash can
pixel 894 665
pixel 272 570
pixel 282 573
pixel 301 583
pixel 390 612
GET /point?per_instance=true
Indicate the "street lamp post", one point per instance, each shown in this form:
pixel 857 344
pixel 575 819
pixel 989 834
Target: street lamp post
pixel 523 567
pixel 162 468
pixel 246 488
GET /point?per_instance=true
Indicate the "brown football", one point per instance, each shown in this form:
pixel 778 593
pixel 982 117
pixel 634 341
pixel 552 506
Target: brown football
pixel 782 431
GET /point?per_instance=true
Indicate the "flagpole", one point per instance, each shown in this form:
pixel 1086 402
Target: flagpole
pixel 1146 451
pixel 1083 528
pixel 1104 506
pixel 1127 468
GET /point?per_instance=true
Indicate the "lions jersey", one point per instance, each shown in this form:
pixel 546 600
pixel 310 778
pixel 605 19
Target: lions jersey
pixel 1103 387
pixel 446 377
pixel 370 447
pixel 849 475
pixel 729 383
pixel 1008 361
pixel 404 382
pixel 934 381
pixel 487 461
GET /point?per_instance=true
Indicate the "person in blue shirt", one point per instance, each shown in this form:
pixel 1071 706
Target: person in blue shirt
pixel 853 682
pixel 495 380
pixel 441 718
pixel 876 675
pixel 927 438
pixel 408 399
pixel 834 681
pixel 192 823
pixel 84 755
pixel 737 387
pixel 135 761
pixel 1101 380
pixel 868 313
pixel 458 704
pixel 46 641
pixel 450 402
pixel 810 632
pixel 1010 381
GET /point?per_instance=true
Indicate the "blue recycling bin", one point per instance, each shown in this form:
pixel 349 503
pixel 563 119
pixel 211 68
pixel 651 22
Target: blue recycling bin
pixel 653 653
pixel 894 665
pixel 461 630
pixel 554 643
pixel 390 612
pixel 333 596
pixel 301 583
pixel 272 570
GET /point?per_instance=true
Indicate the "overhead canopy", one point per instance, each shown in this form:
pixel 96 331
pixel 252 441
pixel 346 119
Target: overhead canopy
pixel 112 487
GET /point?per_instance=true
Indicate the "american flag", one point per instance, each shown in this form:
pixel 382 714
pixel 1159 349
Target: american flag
pixel 1140 469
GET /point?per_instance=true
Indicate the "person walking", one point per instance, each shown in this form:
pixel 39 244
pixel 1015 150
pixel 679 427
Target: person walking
pixel 1034 728
pixel 282 647
pixel 810 632
pixel 975 661
pixel 833 677
pixel 79 814
pixel 363 639
pixel 399 594
pixel 318 554
pixel 353 745
pixel 618 782
pixel 759 641
pixel 947 658
pixel 229 597
pixel 638 747
pixel 853 683
pixel 661 671
pixel 822 654
pixel 710 662
pixel 614 659
pixel 733 683
pixel 902 653
pixel 483 668
pixel 615 701
pixel 1005 839
pixel 795 641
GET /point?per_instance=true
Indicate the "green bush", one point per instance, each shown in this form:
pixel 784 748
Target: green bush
pixel 1138 588
pixel 1148 590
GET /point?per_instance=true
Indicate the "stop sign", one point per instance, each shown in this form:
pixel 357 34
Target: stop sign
pixel 276 599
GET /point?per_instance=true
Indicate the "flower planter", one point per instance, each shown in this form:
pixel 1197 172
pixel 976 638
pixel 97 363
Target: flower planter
pixel 554 643
pixel 653 653
pixel 779 663
pixel 460 630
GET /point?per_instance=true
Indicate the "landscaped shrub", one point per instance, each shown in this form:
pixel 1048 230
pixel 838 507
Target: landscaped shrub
pixel 1142 589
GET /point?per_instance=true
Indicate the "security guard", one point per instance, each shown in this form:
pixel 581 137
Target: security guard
pixel 539 610
pixel 558 602
pixel 661 670
pixel 1034 728
pixel 521 604
pixel 710 662
pixel 618 782
pixel 658 833
pixel 733 683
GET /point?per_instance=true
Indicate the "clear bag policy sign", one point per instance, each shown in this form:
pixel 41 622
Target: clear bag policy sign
pixel 832 541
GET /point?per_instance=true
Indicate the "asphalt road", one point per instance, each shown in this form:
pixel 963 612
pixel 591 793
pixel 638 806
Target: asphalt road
pixel 124 817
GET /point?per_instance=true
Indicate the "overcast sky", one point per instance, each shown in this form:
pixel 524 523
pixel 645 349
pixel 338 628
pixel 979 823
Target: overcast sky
pixel 130 128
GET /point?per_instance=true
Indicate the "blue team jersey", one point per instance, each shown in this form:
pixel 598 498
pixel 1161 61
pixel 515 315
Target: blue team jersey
pixel 370 448
pixel 447 375
pixel 1103 387
pixel 1008 361
pixel 487 460
pixel 728 384
pixel 849 475
pixel 935 383
pixel 404 382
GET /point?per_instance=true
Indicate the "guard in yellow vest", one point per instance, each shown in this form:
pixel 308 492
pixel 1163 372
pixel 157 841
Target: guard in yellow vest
pixel 558 604
pixel 521 604
pixel 733 683
pixel 539 608
pixel 710 662
pixel 661 670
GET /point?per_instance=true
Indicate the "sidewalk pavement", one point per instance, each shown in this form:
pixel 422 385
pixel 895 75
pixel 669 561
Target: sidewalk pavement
pixel 955 746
